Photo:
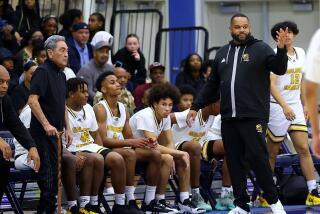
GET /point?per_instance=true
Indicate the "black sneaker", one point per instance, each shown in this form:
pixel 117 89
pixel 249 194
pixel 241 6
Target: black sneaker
pixel 133 207
pixel 95 209
pixel 169 206
pixel 120 209
pixel 158 208
pixel 189 207
pixel 73 210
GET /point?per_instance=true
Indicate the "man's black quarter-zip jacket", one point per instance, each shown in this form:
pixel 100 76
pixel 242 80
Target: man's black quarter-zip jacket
pixel 242 73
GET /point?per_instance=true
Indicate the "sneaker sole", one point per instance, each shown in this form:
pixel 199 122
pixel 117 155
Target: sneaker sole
pixel 172 212
pixel 187 209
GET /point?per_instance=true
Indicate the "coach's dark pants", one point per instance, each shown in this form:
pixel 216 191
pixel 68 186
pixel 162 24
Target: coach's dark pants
pixel 4 174
pixel 48 173
pixel 245 145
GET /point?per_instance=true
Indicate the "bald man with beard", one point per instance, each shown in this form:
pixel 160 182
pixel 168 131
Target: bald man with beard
pixel 9 120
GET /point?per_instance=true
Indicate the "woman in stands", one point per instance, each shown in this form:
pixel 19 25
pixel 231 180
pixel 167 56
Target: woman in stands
pixel 191 72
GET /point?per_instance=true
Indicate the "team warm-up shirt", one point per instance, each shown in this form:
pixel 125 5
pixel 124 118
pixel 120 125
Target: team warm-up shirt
pixel 145 120
pixel 289 84
pixel 182 132
pixel 82 123
pixel 114 125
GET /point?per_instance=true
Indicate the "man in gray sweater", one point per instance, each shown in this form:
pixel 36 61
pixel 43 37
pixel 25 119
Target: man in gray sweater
pixel 97 65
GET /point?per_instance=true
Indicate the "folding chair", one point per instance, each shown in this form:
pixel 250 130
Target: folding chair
pixel 21 176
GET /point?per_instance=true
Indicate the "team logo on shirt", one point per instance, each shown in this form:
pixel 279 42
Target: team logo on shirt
pixel 245 57
pixel 259 128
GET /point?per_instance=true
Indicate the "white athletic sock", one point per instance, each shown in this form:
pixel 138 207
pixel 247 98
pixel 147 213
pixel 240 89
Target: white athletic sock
pixel 129 191
pixel 120 199
pixel 84 200
pixel 312 184
pixel 225 191
pixel 110 190
pixel 71 203
pixel 184 196
pixel 150 194
pixel 160 197
pixel 195 191
pixel 94 200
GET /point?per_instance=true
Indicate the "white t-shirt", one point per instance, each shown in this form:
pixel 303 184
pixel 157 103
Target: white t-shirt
pixel 182 132
pixel 114 124
pixel 289 84
pixel 312 63
pixel 25 117
pixel 214 132
pixel 145 120
pixel 82 123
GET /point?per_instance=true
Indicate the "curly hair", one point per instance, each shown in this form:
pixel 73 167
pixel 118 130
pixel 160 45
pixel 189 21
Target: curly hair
pixel 163 91
pixel 283 25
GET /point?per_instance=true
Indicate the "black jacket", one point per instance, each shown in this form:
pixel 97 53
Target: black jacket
pixel 244 81
pixel 131 65
pixel 9 120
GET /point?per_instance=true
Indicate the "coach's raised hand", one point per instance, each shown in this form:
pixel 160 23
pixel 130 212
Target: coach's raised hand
pixel 281 37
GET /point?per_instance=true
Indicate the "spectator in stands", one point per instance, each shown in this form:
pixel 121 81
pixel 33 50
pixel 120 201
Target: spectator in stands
pixel 156 70
pixel 132 60
pixel 125 97
pixel 114 129
pixel 206 69
pixel 27 16
pixel 47 102
pixel 312 76
pixel 191 72
pixel 21 92
pixel 7 12
pixel 241 76
pixel 103 36
pixel 7 60
pixel 97 65
pixel 144 101
pixel 33 38
pixel 8 37
pixel 49 26
pixel 97 23
pixel 154 123
pixel 10 121
pixel 39 53
pixel 80 51
pixel 68 19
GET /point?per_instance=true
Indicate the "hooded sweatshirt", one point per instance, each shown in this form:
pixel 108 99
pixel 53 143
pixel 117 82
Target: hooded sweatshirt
pixel 241 78
pixel 9 120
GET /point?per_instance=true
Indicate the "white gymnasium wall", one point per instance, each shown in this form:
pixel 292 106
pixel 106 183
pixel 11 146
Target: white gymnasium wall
pixel 278 10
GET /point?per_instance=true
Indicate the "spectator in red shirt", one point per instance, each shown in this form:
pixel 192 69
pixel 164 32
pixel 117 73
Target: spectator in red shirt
pixel 156 75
